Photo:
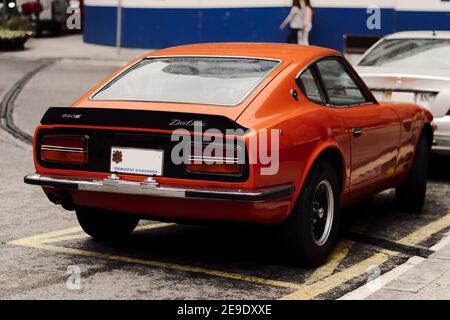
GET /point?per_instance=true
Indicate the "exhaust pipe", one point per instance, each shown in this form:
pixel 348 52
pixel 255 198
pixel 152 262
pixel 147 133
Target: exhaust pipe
pixel 63 199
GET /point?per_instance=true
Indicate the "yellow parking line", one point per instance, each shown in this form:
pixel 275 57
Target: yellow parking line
pixel 159 264
pixel 54 234
pixel 425 232
pixel 321 281
pixel 65 232
pixel 62 238
pixel 84 235
pixel 326 284
pixel 153 226
pixel 335 259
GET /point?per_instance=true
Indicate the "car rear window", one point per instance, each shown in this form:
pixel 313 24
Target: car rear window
pixel 223 81
pixel 407 53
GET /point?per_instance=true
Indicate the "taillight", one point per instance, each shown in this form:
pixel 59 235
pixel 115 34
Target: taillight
pixel 216 160
pixel 448 112
pixel 69 149
pixel 215 168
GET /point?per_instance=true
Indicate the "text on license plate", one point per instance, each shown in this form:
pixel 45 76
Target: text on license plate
pixel 137 161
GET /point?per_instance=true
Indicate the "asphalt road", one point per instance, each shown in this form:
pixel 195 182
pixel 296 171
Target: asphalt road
pixel 39 242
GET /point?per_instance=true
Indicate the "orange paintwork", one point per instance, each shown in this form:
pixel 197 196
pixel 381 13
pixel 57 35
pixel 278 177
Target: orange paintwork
pixel 377 160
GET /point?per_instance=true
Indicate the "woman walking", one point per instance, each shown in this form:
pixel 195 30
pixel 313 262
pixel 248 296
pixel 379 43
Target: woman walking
pixel 295 21
pixel 307 19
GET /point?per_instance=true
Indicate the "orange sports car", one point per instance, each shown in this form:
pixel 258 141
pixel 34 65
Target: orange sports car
pixel 268 133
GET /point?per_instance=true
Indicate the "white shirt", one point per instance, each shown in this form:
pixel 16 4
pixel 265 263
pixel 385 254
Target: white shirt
pixel 295 19
pixel 307 16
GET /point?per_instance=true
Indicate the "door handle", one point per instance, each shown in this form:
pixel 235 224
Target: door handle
pixel 356 132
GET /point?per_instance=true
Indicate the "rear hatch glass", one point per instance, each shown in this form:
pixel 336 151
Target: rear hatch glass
pixel 222 81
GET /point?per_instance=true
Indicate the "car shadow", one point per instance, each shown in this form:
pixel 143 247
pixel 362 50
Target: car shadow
pixel 439 168
pixel 240 249
pixel 256 250
pixel 381 217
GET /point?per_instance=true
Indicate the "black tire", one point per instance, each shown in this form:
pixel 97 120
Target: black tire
pixel 104 224
pixel 300 243
pixel 412 191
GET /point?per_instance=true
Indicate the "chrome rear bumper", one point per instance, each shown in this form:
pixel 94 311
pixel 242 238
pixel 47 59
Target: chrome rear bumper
pixel 151 188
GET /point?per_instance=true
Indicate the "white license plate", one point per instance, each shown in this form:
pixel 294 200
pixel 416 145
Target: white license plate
pixel 137 161
pixel 379 95
pixel 396 96
pixel 408 97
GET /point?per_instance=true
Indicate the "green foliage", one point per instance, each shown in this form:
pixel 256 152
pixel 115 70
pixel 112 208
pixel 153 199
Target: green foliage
pixel 18 22
pixel 12 34
pixel 13 39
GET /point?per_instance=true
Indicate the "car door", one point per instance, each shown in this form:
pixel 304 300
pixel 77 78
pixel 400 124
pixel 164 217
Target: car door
pixel 373 129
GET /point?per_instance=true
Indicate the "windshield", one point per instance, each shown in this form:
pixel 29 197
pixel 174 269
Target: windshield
pixel 203 80
pixel 417 53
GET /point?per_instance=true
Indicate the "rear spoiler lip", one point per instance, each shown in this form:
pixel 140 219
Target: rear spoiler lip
pixel 145 119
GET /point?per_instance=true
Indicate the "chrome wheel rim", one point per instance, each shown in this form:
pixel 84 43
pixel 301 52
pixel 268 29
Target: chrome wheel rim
pixel 322 212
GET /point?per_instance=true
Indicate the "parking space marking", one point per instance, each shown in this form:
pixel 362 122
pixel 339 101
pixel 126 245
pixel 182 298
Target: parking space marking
pixel 311 291
pixel 335 259
pixel 153 226
pixel 159 264
pixel 41 242
pixel 150 226
pixel 427 231
pixel 320 282
pixel 331 282
pixel 55 233
pixel 369 288
pixel 64 238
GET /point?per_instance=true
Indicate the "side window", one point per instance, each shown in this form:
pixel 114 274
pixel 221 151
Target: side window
pixel 338 84
pixel 308 84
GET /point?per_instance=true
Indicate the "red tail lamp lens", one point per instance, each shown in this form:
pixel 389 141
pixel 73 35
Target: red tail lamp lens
pixel 218 160
pixel 65 141
pixel 215 168
pixel 69 149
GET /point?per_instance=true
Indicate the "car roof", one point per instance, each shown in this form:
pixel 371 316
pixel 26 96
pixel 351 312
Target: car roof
pixel 420 35
pixel 275 51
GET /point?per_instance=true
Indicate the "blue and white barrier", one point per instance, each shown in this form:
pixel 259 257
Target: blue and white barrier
pixel 164 23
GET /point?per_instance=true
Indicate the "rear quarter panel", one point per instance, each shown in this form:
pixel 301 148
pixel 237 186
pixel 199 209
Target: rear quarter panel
pixel 413 119
pixel 306 130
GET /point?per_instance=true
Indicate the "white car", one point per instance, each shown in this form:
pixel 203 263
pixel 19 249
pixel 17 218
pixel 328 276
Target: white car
pixel 413 67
